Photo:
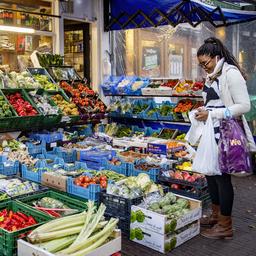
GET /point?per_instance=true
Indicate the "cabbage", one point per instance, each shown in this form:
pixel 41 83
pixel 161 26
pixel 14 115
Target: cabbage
pixel 143 181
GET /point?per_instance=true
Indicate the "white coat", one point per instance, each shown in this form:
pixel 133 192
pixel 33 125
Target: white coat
pixel 235 97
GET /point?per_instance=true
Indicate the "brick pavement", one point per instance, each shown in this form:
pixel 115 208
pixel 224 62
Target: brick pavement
pixel 244 242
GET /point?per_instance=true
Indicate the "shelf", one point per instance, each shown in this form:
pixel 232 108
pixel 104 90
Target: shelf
pixel 147 120
pixel 154 96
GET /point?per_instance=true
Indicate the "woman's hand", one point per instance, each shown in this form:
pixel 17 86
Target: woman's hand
pixel 201 115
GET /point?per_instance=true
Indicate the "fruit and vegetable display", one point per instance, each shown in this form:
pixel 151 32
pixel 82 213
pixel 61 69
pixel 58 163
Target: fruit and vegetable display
pixel 139 108
pixel 145 166
pixel 169 205
pixel 184 166
pixel 166 110
pixel 184 106
pixel 20 80
pixel 111 175
pixel 5 108
pixel 12 145
pixel 181 137
pixel 84 97
pixel 46 59
pixel 45 84
pixel 133 187
pixel 13 221
pixel 16 187
pixel 77 234
pixel 53 207
pixel 137 85
pixel 22 106
pixel 167 134
pixel 85 181
pixel 67 108
pixel 170 83
pixel 184 176
pixel 23 157
pixel 183 87
pixel 43 104
pixel 131 156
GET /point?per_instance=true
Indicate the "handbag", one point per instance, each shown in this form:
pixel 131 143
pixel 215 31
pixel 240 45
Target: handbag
pixel 234 155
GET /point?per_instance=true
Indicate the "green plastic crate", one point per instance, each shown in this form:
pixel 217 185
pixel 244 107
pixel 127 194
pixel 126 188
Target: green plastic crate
pixel 70 202
pixel 8 240
pixel 26 122
pixel 72 119
pixel 49 120
pixel 8 122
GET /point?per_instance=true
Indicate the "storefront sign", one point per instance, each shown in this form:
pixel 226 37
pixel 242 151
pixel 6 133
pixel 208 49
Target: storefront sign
pixel 159 149
pixel 151 61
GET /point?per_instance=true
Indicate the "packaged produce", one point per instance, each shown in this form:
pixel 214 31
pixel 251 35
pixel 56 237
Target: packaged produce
pixel 12 145
pixel 44 105
pixel 22 107
pixel 111 175
pixel 77 234
pixel 68 109
pixel 12 221
pixel 17 187
pixel 53 207
pixel 23 157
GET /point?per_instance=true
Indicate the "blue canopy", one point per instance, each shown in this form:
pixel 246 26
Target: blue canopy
pixel 127 14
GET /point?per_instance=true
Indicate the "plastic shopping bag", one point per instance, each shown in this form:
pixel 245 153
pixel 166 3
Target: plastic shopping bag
pixel 206 159
pixel 234 155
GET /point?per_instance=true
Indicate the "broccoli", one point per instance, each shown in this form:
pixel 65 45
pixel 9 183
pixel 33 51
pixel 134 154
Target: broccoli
pixel 133 216
pixel 132 234
pixel 140 217
pixel 139 234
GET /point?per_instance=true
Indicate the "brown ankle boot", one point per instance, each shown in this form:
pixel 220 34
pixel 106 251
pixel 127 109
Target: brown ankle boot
pixel 209 221
pixel 222 230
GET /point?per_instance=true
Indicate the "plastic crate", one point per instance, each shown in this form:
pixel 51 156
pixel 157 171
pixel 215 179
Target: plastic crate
pixel 25 122
pixel 90 193
pixel 51 160
pixel 72 203
pixel 68 157
pixel 47 137
pixel 7 198
pixel 165 118
pixel 75 166
pixel 29 174
pixel 8 241
pixel 34 150
pixel 9 168
pixel 118 206
pixel 121 169
pixel 123 223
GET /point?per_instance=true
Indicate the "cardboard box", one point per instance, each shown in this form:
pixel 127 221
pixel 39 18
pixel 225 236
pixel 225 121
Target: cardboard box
pixel 164 243
pixel 27 249
pixel 161 224
pixel 54 181
pixel 148 91
pixel 163 90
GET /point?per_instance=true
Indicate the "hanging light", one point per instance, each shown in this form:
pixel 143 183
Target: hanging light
pixel 17 29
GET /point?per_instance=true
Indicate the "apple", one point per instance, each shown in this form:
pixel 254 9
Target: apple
pixel 185 175
pixel 178 175
pixel 191 179
pixel 175 186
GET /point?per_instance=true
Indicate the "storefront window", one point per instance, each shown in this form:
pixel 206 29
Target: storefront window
pixel 171 52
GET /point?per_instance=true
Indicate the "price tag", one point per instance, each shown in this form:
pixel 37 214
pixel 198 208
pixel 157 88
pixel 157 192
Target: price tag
pixel 159 149
pixel 65 119
pixel 53 144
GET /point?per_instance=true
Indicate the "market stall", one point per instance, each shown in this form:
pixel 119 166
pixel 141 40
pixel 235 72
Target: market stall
pixel 77 175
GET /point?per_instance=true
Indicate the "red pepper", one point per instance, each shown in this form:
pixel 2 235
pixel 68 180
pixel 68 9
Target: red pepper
pixel 22 215
pixel 31 220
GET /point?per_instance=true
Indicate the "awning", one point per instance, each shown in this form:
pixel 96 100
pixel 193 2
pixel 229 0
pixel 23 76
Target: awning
pixel 127 14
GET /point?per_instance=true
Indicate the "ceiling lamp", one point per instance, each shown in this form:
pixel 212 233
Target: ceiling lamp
pixel 17 29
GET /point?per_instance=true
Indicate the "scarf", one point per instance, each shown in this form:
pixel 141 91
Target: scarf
pixel 216 72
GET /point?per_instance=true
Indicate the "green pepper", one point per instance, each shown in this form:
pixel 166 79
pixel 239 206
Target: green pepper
pixel 5 106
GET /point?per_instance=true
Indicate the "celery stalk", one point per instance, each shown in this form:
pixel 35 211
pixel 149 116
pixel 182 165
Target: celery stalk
pixel 87 242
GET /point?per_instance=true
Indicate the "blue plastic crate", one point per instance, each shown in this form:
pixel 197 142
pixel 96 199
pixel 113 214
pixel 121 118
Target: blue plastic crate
pixel 75 166
pixel 9 168
pixel 29 174
pixel 121 169
pixel 125 89
pixel 90 193
pixel 149 131
pixel 129 90
pixel 47 137
pixel 166 118
pixel 109 84
pixel 94 165
pixel 34 150
pixel 68 157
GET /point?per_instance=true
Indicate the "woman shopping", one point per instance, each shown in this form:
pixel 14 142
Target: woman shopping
pixel 225 89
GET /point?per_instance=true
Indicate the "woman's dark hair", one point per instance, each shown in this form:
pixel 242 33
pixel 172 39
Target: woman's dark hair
pixel 214 47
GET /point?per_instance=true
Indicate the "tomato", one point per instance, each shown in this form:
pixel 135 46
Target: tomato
pixel 103 178
pixel 92 182
pixel 87 179
pixel 103 184
pixel 85 185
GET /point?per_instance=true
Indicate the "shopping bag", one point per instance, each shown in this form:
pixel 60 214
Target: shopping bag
pixel 206 159
pixel 234 155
